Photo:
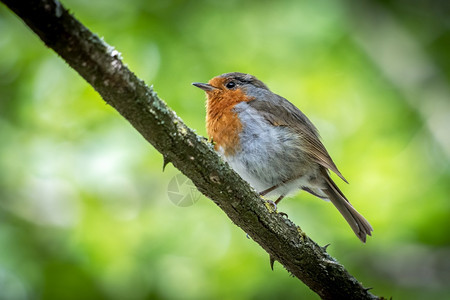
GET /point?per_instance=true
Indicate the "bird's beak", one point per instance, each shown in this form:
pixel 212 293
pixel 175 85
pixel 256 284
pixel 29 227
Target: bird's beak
pixel 204 86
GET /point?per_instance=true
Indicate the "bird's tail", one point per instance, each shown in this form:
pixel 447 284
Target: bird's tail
pixel 357 222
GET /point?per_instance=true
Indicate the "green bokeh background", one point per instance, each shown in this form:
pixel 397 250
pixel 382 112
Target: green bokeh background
pixel 84 205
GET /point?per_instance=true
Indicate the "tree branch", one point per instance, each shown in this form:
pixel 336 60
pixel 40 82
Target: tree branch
pixel 101 66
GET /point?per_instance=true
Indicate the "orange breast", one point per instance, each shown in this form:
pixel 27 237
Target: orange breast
pixel 222 123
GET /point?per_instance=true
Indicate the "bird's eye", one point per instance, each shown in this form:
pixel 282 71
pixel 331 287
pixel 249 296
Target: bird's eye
pixel 230 85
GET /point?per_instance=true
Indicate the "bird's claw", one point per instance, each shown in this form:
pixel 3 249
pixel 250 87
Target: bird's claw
pixel 271 206
pixel 283 214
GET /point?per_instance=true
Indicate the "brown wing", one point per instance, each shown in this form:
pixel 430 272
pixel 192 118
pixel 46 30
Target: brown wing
pixel 280 112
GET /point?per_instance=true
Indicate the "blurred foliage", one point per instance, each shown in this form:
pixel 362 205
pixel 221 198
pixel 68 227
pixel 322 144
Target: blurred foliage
pixel 84 206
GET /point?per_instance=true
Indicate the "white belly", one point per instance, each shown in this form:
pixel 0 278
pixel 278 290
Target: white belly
pixel 270 155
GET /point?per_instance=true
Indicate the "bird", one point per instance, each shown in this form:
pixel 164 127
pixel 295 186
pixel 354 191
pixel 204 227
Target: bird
pixel 271 144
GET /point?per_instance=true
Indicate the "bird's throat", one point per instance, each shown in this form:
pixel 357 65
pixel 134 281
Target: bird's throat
pixel 223 127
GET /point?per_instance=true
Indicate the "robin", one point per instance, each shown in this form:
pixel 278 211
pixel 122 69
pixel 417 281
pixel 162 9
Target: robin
pixel 271 144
